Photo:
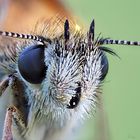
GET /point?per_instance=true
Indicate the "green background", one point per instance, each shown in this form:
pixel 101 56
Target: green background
pixel 117 19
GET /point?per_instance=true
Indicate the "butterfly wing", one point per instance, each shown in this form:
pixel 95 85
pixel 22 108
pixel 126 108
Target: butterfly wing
pixel 7 56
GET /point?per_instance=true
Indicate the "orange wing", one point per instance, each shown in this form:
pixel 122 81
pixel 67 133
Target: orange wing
pixel 21 16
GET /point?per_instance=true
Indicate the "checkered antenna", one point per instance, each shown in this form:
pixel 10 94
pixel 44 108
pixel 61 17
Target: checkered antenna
pixel 119 42
pixel 107 40
pixel 25 36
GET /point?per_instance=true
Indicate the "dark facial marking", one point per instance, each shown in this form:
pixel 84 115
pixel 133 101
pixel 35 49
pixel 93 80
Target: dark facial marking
pixel 76 98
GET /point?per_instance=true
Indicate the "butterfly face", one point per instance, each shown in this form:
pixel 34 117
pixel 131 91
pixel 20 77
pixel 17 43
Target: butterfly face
pixel 60 76
pixel 68 73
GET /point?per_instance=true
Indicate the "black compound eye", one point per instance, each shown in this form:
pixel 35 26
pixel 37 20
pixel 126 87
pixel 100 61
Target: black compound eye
pixel 31 64
pixel 104 65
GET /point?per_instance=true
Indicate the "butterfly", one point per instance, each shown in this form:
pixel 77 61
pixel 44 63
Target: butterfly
pixel 54 76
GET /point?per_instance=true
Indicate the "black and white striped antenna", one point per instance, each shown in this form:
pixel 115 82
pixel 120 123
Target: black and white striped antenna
pixel 120 42
pixel 43 39
pixel 107 40
pixel 25 36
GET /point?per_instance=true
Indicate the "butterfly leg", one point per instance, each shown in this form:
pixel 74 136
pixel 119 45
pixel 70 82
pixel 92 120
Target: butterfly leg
pixel 13 124
pixel 16 115
pixel 4 84
pixel 7 132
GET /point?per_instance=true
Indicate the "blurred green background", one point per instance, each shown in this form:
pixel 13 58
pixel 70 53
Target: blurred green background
pixel 117 19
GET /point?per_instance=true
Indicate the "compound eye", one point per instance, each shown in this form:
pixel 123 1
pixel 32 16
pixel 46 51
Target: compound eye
pixel 31 64
pixel 104 65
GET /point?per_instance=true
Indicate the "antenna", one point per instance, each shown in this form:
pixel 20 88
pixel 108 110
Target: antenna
pixel 119 42
pixel 25 36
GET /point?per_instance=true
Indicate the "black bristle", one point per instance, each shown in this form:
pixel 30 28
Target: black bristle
pixel 91 30
pixel 66 30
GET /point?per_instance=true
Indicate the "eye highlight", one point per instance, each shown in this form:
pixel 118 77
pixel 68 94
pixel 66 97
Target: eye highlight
pixel 31 64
